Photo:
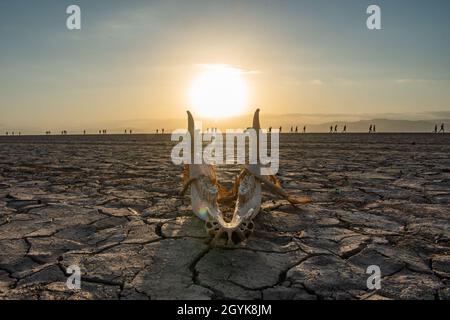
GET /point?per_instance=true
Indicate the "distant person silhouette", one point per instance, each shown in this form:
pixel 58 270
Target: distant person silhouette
pixel 280 129
pixel 435 128
pixel 157 131
pixel 442 129
pixel 331 129
pixel 162 131
pixel 296 129
pixel 304 129
pixel 7 133
pixel 270 129
pixel 84 131
pixel 335 128
pixel 345 129
pixel 374 129
pixel 125 131
pixel 131 131
pixel 370 129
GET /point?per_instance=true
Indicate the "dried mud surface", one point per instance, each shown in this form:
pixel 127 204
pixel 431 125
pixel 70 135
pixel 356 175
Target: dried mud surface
pixel 109 204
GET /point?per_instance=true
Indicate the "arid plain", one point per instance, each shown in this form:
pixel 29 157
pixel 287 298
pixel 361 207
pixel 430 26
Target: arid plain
pixel 110 204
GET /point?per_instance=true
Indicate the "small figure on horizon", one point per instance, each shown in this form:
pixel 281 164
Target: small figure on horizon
pixel 370 129
pixel 296 129
pixel 442 129
pixel 435 128
pixel 374 129
pixel 292 129
pixel 335 128
pixel 84 132
pixel 131 131
pixel 7 133
pixel 304 129
pixel 126 131
pixel 345 129
pixel 157 131
pixel 162 130
pixel 331 129
pixel 270 129
pixel 280 129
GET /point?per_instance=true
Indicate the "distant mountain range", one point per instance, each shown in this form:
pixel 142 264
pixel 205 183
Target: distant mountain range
pixel 314 123
pixel 382 125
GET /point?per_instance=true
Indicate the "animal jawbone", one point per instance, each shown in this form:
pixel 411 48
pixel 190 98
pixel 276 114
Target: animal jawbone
pixel 207 195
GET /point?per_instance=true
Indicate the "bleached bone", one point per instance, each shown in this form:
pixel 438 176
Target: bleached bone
pixel 248 202
pixel 207 194
pixel 203 182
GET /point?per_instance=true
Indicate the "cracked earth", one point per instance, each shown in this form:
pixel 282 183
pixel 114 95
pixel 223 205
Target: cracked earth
pixel 109 204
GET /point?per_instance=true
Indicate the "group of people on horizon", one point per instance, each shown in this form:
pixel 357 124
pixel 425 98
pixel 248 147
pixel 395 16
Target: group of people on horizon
pixel 280 129
pixel 13 133
pixel 442 130
pixel 335 130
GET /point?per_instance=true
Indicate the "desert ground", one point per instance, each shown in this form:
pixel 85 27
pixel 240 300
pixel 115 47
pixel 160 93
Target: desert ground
pixel 110 204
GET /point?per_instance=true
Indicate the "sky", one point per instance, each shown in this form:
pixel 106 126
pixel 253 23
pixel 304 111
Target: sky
pixel 135 60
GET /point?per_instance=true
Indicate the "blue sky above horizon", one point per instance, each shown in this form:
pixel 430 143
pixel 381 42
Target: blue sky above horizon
pixel 135 59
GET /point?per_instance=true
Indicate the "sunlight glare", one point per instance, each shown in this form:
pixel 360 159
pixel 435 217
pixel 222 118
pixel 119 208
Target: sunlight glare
pixel 220 91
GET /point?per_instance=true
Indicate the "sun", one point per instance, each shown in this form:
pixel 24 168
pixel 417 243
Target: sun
pixel 220 91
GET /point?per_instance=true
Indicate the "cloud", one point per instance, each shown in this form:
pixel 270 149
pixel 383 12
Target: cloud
pixel 313 82
pixel 412 80
pixel 316 82
pixel 239 69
